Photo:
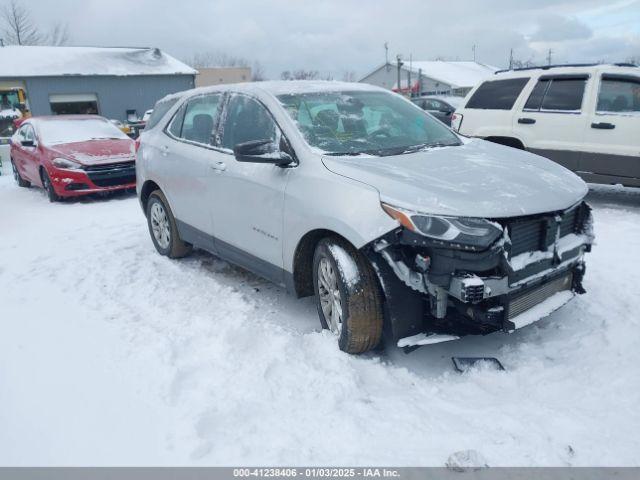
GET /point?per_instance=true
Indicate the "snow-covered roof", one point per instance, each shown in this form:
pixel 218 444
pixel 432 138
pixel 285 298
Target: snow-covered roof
pixel 22 61
pixel 456 74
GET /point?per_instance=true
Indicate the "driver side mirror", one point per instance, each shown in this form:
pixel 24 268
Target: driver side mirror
pixel 28 143
pixel 262 151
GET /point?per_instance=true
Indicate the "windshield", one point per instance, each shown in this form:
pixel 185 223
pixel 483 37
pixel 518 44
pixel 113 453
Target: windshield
pixel 9 101
pixel 375 123
pixel 53 132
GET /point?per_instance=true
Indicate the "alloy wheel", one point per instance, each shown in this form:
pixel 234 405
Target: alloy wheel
pixel 329 294
pixel 160 225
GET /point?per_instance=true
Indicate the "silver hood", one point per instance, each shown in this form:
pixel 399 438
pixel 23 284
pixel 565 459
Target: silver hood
pixel 478 179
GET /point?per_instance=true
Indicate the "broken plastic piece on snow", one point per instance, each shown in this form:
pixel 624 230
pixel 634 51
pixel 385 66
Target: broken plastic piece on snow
pixel 462 364
pixel 424 339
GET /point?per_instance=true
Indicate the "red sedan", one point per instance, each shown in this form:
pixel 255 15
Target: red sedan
pixel 72 155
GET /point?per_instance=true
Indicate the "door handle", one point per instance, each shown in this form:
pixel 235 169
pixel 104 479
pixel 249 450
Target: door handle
pixel 603 126
pixel 220 166
pixel 164 150
pixel 527 121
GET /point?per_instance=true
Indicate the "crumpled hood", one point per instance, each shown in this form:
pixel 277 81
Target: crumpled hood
pixel 96 152
pixel 478 179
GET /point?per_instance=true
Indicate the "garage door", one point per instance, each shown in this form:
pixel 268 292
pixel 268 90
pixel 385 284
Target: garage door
pixel 74 103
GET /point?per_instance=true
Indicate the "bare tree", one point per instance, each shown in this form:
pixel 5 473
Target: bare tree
pixel 349 76
pixel 257 72
pixel 59 35
pixel 217 59
pixel 634 59
pixel 19 28
pixel 302 74
pixel 517 63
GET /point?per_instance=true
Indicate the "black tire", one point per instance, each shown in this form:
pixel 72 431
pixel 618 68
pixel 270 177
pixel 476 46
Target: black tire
pixel 174 247
pixel 16 175
pixel 48 186
pixel 360 295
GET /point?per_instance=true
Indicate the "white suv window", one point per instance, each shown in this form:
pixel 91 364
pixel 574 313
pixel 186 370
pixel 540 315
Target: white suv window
pixel 497 94
pixel 557 94
pixel 619 94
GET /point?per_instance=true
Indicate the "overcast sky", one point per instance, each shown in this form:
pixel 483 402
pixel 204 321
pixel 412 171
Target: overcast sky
pixel 348 35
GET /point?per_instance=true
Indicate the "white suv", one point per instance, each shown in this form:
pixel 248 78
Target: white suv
pixel 585 117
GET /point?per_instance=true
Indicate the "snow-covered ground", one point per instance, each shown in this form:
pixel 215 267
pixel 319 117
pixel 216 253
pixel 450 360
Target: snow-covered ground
pixel 113 355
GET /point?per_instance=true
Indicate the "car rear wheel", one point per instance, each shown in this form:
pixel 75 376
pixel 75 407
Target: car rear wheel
pixel 48 187
pixel 18 178
pixel 163 229
pixel 348 296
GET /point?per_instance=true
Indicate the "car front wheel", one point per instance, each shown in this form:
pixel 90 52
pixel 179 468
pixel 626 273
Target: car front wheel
pixel 163 229
pixel 48 187
pixel 348 296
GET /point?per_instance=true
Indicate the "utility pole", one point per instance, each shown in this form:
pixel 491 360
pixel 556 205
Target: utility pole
pixel 419 82
pixel 386 53
pixel 511 59
pixel 474 52
pixel 409 74
pixel 399 63
pixel 549 57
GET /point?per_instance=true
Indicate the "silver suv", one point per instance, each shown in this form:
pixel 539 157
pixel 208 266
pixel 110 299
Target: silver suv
pixel 353 194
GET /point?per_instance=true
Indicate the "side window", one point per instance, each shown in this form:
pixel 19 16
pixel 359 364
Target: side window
pixel 246 120
pixel 497 94
pixel 29 134
pixel 537 94
pixel 619 94
pixel 200 119
pixel 432 105
pixel 175 127
pixel 159 111
pixel 564 94
pixel 21 132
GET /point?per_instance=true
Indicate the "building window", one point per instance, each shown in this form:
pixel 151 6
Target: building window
pixel 74 103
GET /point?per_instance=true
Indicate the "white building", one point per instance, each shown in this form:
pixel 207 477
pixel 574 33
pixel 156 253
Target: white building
pixel 430 78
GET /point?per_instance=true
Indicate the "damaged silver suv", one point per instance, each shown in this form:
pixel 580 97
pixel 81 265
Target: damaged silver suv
pixel 353 194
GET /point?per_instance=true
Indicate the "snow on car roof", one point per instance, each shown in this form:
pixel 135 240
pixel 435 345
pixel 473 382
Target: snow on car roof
pixel 58 129
pixel 28 61
pixel 564 69
pixel 284 87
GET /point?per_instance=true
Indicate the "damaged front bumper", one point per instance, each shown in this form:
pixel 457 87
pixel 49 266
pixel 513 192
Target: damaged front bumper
pixel 437 292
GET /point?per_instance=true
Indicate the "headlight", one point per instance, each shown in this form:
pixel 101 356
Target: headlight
pixel 65 163
pixel 471 232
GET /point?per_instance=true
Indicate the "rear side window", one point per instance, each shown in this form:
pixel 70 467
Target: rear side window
pixel 159 111
pixel 200 119
pixel 196 120
pixel 497 94
pixel 619 94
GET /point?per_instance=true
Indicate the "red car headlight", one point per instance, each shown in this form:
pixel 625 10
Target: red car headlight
pixel 66 164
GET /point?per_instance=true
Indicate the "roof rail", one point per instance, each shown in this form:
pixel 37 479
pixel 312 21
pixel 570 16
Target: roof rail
pixel 547 67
